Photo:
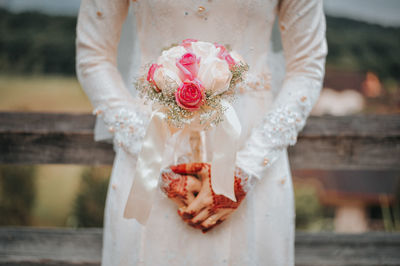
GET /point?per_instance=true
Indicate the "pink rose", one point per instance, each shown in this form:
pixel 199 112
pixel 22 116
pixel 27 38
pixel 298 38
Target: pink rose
pixel 231 62
pixel 188 65
pixel 150 75
pixel 190 95
pixel 224 55
pixel 221 51
pixel 188 40
pixel 187 44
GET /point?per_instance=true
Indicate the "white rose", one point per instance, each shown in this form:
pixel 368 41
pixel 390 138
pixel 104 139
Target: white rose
pixel 237 57
pixel 168 57
pixel 215 75
pixel 204 50
pixel 167 81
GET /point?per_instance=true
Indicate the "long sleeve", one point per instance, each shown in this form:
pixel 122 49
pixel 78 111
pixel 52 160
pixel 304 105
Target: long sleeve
pixel 302 26
pixel 98 34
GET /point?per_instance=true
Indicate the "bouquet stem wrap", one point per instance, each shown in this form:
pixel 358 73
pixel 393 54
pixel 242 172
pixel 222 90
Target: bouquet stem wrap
pixel 154 153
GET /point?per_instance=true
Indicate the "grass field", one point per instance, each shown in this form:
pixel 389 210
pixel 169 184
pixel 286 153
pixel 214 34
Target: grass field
pixel 56 187
pixel 42 93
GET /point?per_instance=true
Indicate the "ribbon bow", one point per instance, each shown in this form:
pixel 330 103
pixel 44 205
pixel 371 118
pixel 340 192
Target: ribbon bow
pixel 152 158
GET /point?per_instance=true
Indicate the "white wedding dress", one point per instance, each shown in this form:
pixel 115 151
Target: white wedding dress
pixel 261 230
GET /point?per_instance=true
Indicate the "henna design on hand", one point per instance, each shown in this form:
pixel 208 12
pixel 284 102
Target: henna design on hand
pixel 180 188
pixel 189 185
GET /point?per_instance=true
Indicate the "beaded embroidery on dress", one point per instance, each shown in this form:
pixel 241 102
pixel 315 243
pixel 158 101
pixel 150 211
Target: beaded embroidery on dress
pixel 261 231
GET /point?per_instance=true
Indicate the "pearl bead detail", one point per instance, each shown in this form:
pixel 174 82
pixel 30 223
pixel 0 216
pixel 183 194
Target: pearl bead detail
pixel 128 125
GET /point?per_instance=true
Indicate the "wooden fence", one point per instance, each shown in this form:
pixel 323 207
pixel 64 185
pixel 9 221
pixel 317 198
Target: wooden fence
pixel 26 246
pixel 353 142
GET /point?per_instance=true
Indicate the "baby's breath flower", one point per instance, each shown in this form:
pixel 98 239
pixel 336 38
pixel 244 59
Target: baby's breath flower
pixel 210 113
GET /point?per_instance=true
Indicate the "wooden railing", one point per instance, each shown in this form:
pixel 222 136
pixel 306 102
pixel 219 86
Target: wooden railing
pixel 352 142
pixel 26 246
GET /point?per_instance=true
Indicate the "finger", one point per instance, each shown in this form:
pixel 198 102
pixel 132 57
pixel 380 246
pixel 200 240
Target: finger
pixel 176 186
pixel 179 201
pixel 199 218
pixel 226 216
pixel 189 199
pixel 197 205
pixel 187 168
pixel 205 230
pixel 219 215
pixel 203 199
pixel 204 174
pixel 193 184
pixel 219 221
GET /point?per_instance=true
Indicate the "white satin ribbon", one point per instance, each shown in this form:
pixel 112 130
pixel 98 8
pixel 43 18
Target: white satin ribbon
pixel 148 167
pixel 225 141
pixel 153 155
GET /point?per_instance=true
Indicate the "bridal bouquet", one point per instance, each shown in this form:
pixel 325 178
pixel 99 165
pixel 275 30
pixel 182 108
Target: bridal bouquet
pixel 190 87
pixel 191 80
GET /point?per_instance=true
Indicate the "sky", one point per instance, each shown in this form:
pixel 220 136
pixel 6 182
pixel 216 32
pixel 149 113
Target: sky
pixel 383 12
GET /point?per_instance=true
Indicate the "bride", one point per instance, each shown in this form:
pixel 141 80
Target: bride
pixel 185 222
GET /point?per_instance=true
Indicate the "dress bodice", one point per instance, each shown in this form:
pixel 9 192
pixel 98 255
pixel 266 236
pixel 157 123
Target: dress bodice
pixel 242 25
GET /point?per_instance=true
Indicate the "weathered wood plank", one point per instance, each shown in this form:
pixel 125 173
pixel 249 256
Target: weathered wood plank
pixel 330 249
pixel 46 138
pixel 346 153
pixel 29 246
pixel 351 142
pixel 26 246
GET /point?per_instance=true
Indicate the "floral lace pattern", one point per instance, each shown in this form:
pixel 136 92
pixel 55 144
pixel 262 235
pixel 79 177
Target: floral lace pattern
pixel 279 127
pixel 247 181
pixel 305 53
pixel 128 126
pixel 172 184
pixel 277 130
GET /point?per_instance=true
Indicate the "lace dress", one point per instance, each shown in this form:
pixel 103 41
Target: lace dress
pixel 261 230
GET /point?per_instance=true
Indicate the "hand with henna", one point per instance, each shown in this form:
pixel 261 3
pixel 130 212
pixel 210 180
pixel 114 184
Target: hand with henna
pixel 189 186
pixel 180 184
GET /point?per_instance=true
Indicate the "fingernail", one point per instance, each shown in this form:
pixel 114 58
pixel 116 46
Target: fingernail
pixel 192 223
